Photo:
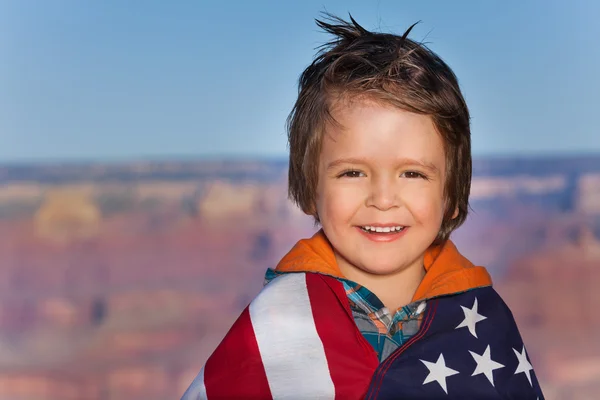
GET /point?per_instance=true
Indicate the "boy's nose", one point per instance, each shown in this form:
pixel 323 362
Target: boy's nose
pixel 383 195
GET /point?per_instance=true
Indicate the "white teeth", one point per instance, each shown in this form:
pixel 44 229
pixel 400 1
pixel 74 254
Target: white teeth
pixel 380 229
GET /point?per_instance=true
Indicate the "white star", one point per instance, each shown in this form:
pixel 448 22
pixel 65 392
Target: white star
pixel 524 365
pixel 438 372
pixel 485 365
pixel 471 318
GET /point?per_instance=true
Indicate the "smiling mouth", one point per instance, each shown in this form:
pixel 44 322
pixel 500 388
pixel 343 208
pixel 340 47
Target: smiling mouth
pixel 382 229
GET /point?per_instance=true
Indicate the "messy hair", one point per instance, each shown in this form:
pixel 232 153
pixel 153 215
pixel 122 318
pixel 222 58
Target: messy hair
pixel 389 69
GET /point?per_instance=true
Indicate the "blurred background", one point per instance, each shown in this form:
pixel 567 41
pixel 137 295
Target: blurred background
pixel 143 178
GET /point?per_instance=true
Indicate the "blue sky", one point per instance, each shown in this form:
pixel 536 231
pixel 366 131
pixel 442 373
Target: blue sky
pixel 119 80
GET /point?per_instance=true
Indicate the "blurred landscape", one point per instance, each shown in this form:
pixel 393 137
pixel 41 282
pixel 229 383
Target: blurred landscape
pixel 118 280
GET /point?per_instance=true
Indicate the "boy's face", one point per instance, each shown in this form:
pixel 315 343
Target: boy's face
pixel 381 167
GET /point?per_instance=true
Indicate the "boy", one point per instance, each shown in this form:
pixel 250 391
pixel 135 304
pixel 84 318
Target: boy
pixel 379 303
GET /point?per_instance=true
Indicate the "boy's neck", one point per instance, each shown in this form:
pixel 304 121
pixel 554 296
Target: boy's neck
pixel 395 290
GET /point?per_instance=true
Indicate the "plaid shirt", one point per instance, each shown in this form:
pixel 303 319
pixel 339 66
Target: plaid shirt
pixel 385 331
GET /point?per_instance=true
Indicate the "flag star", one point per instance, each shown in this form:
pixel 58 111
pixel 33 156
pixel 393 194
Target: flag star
pixel 485 364
pixel 471 318
pixel 524 365
pixel 438 372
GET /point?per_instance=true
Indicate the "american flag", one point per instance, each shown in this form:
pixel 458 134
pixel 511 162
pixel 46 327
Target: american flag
pixel 468 347
pixel 297 340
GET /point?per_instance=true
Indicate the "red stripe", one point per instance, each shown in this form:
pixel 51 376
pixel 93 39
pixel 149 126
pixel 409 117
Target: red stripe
pixel 235 369
pixel 388 362
pixel 351 359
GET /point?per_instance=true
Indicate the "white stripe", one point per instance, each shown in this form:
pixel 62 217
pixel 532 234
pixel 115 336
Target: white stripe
pixel 291 350
pixel 197 390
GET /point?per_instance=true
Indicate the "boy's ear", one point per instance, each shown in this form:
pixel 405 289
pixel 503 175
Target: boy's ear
pixel 455 213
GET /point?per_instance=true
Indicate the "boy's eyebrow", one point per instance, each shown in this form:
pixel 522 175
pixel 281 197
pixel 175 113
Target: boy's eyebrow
pixel 421 163
pixel 403 161
pixel 341 161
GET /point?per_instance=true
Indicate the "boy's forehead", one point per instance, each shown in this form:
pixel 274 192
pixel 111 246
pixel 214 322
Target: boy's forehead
pixel 365 116
pixel 344 106
pixel 381 133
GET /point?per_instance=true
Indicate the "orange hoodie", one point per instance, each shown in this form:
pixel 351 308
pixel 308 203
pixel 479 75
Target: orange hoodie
pixel 447 271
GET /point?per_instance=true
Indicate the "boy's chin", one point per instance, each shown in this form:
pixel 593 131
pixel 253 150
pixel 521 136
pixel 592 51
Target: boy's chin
pixel 385 268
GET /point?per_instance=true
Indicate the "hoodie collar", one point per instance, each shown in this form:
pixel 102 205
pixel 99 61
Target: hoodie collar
pixel 447 271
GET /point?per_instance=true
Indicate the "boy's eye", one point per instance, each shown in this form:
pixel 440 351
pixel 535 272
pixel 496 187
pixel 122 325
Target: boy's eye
pixel 414 174
pixel 351 174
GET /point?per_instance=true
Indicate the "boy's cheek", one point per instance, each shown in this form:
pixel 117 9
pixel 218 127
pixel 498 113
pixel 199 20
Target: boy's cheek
pixel 338 203
pixel 426 210
pixel 343 194
pixel 336 208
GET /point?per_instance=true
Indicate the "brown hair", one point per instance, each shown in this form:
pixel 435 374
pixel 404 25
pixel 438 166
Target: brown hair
pixel 391 69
